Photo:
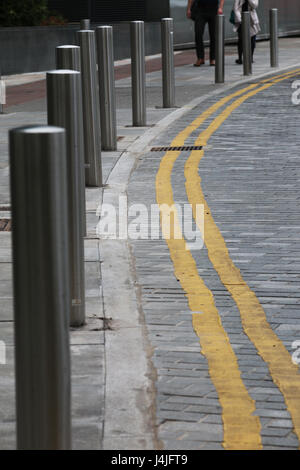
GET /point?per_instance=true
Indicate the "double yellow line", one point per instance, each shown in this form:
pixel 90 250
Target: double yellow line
pixel 241 428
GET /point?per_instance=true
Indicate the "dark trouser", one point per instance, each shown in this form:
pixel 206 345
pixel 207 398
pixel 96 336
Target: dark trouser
pixel 240 43
pixel 205 16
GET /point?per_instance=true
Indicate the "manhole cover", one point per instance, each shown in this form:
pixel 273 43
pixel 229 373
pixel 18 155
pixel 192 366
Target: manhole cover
pixel 187 148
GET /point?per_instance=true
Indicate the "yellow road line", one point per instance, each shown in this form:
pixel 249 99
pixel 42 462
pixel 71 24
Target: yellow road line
pixel 182 136
pixel 284 373
pixel 241 429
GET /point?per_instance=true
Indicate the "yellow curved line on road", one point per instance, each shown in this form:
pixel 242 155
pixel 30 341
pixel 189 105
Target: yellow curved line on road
pixel 182 136
pixel 242 429
pixel 284 373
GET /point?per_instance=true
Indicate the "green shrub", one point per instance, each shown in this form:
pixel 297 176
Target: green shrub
pixel 23 12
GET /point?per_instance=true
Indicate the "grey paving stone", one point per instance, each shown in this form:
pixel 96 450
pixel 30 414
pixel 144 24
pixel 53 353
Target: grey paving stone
pixel 272 413
pixel 170 444
pixel 179 416
pixel 279 432
pixel 286 442
pixel 280 423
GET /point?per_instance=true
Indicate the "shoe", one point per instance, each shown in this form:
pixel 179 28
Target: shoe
pixel 239 61
pixel 212 63
pixel 199 63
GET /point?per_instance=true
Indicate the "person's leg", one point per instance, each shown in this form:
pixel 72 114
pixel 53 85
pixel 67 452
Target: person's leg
pixel 253 45
pixel 212 35
pixel 199 31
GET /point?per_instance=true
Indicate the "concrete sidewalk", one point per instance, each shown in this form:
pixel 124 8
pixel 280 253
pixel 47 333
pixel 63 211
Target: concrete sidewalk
pixel 114 389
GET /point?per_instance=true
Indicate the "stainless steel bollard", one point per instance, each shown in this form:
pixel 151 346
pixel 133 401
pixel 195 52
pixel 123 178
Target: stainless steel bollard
pixel 91 112
pixel 168 72
pixel 63 102
pixel 108 120
pixel 137 41
pixel 68 58
pixel 85 24
pixel 274 37
pixel 2 94
pixel 41 287
pixel 247 55
pixel 220 49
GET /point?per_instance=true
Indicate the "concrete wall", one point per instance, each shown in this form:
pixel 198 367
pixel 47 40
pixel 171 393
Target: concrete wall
pixel 32 49
pixel 288 18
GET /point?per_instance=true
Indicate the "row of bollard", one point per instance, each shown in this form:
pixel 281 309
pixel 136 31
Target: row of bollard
pixel 50 166
pixel 246 40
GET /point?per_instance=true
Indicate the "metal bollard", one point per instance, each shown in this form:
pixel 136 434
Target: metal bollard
pixel 108 120
pixel 85 24
pixel 2 94
pixel 220 50
pixel 68 58
pixel 137 41
pixel 247 55
pixel 63 103
pixel 274 37
pixel 41 287
pixel 91 112
pixel 168 72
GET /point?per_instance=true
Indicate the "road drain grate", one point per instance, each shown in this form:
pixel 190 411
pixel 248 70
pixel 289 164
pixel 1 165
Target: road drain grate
pixel 5 225
pixel 187 148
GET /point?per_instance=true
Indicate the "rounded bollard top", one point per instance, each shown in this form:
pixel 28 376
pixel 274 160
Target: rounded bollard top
pixel 63 72
pixel 167 19
pixel 68 46
pixel 104 27
pixel 37 129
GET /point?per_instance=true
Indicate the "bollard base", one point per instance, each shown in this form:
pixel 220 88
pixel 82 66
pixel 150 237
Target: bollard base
pixel 167 107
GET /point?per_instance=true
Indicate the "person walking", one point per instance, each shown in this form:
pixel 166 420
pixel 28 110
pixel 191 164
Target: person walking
pixel 202 12
pixel 239 7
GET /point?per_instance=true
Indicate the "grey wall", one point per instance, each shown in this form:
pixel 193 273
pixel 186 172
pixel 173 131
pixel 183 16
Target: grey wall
pixel 32 49
pixel 289 19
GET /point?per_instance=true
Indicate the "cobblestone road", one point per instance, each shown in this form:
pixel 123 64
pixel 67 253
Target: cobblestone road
pixel 229 360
